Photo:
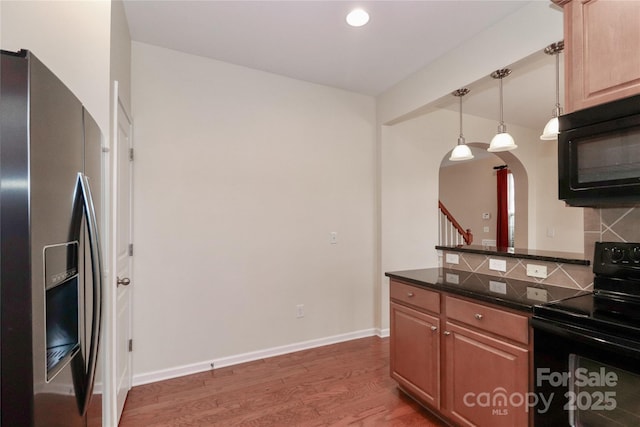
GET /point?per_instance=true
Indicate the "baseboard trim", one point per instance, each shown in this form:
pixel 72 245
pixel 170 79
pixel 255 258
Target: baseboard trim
pixel 194 368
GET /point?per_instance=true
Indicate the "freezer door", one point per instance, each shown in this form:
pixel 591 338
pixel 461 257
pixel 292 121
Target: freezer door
pixel 15 279
pixel 56 146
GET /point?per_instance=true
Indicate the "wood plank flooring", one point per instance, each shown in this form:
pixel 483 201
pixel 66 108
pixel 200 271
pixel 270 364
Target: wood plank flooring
pixel 344 384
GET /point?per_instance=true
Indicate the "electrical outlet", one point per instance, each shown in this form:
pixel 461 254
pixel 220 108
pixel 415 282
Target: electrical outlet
pixel 333 237
pixel 498 264
pixel 452 278
pixel 300 311
pixel 498 287
pixel 452 259
pixel 539 271
pixel 537 294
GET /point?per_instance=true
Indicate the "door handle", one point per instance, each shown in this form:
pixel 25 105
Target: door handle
pixel 96 271
pixel 124 281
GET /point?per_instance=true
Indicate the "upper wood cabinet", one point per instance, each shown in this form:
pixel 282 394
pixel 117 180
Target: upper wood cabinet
pixel 602 51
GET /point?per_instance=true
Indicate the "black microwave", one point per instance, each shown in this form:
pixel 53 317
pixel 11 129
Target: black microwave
pixel 599 154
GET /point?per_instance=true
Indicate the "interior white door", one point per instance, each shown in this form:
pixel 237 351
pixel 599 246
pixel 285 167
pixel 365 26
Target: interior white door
pixel 122 214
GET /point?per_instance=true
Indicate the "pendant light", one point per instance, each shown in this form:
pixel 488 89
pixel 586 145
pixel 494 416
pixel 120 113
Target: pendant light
pixel 550 131
pixel 502 141
pixel 462 150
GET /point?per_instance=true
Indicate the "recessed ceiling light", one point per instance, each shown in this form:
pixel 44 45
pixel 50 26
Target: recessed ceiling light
pixel 357 18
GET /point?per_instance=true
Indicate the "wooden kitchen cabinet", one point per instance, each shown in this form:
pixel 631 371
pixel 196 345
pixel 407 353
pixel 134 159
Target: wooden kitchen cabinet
pixel 415 353
pixel 415 341
pixel 469 362
pixel 487 376
pixel 602 41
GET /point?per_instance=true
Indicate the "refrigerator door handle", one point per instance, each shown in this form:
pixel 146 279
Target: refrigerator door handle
pixel 96 271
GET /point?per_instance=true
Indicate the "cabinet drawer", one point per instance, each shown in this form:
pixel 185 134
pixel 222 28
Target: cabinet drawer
pixel 421 298
pixel 489 319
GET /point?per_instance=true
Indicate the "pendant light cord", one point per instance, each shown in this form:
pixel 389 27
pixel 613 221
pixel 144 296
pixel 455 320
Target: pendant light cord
pixel 501 106
pixel 558 81
pixel 461 117
pixel 501 74
pixel 556 49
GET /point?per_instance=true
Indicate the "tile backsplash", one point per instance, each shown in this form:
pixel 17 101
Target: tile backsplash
pixel 610 225
pixel 559 274
pixel 621 224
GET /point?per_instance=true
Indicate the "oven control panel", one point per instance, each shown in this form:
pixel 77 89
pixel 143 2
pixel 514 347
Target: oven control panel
pixel 617 259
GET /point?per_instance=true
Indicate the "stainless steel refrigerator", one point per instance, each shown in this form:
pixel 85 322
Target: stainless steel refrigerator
pixel 50 262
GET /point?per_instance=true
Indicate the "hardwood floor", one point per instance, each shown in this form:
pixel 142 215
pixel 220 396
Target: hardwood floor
pixel 336 385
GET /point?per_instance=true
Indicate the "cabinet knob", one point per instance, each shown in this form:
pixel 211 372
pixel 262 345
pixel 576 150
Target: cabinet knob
pixel 434 328
pixel 478 316
pixel 410 294
pixel 447 333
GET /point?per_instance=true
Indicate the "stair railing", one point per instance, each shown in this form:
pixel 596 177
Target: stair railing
pixel 450 231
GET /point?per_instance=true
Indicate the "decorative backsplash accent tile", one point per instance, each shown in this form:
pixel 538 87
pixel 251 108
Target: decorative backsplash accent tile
pixel 559 274
pixel 621 224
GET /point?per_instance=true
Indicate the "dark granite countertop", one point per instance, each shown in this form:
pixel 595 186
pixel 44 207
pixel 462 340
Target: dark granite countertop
pixel 506 292
pixel 551 256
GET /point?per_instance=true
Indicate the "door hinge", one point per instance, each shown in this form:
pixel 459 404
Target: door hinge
pixel 130 345
pixel 131 154
pixel 130 249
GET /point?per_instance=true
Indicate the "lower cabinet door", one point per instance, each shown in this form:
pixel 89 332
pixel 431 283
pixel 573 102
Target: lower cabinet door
pixel 415 353
pixel 486 379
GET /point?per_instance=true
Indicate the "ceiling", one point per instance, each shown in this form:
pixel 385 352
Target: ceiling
pixel 310 41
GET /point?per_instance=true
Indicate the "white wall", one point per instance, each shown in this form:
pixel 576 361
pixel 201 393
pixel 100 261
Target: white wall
pixel 240 175
pixel 558 227
pixel 72 38
pixel 120 54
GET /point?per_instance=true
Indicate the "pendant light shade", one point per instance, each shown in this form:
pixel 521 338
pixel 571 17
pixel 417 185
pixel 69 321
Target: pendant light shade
pixel 462 150
pixel 502 141
pixel 551 129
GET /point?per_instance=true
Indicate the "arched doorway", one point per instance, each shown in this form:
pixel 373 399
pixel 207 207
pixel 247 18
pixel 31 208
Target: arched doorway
pixel 468 190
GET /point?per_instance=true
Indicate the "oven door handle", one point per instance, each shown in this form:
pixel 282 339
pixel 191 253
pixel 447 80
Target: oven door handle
pixel 594 338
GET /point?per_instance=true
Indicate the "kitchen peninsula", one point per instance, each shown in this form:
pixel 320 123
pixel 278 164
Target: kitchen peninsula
pixel 459 338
